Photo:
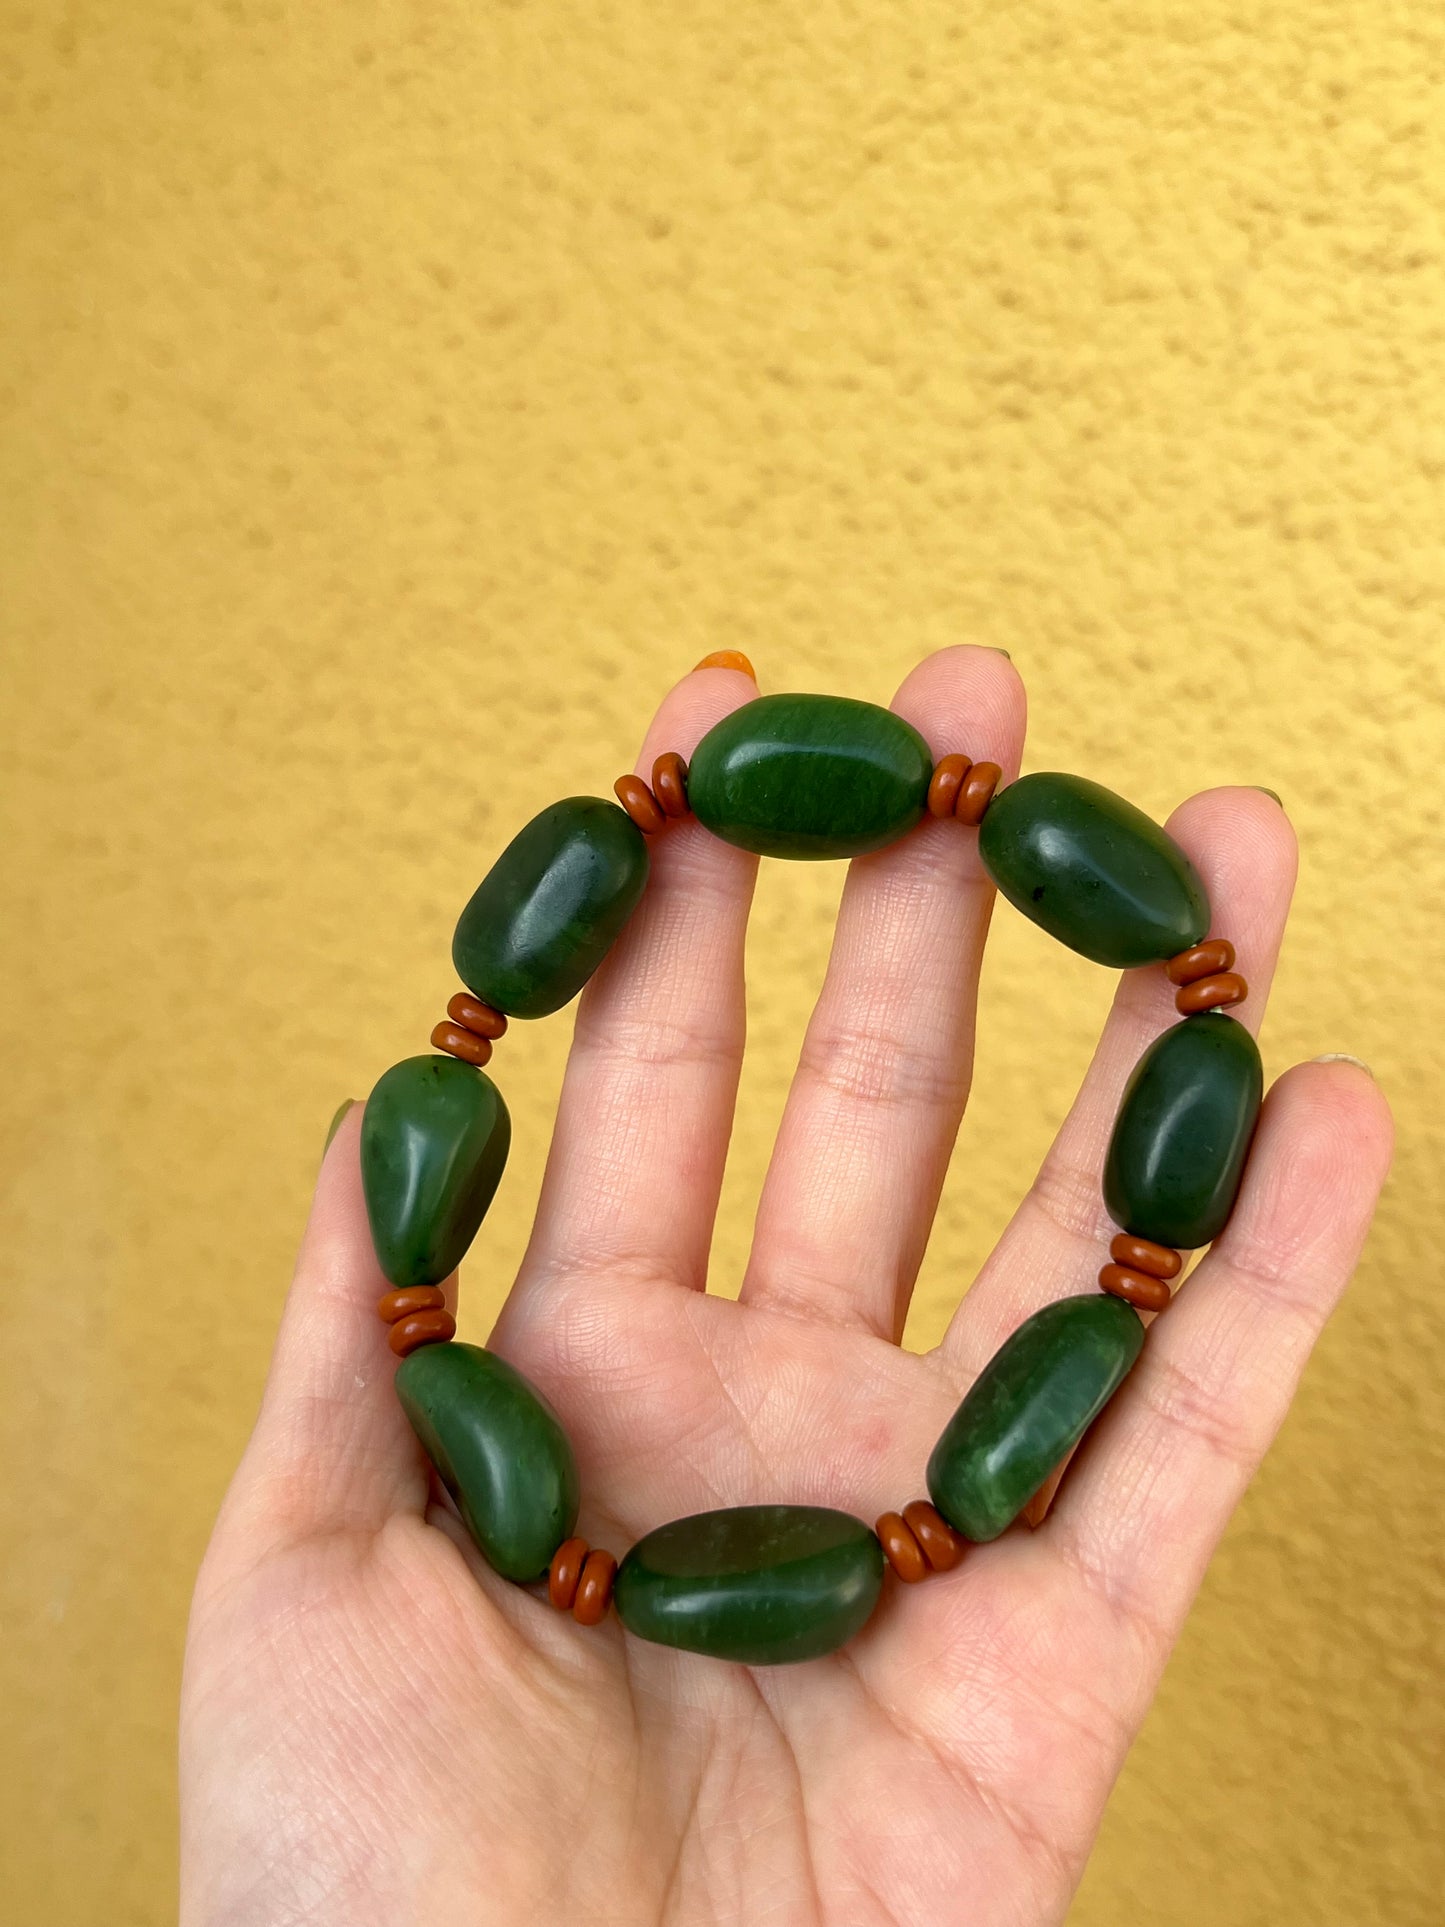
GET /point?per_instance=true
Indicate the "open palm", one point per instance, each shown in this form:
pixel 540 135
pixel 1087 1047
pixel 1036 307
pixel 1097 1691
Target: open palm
pixel 376 1728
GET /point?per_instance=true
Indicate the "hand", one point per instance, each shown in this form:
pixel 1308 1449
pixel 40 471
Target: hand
pixel 375 1728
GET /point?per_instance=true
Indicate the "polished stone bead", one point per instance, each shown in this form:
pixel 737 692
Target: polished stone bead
pixel 761 1584
pixel 434 1140
pixel 1092 870
pixel 500 1450
pixel 1183 1131
pixel 810 776
pixel 550 908
pixel 1028 1407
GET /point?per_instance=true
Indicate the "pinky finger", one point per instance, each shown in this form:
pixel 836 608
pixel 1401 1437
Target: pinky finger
pixel 1151 1491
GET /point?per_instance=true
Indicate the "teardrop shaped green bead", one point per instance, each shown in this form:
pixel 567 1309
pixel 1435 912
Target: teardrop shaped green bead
pixel 551 906
pixel 501 1452
pixel 434 1141
pixel 760 1584
pixel 1092 870
pixel 1028 1407
pixel 1186 1119
pixel 810 776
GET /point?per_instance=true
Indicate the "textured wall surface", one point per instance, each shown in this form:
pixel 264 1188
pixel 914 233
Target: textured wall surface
pixel 393 399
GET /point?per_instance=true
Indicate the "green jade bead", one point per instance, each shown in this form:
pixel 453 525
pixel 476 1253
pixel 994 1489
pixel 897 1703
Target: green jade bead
pixel 434 1141
pixel 501 1452
pixel 1028 1407
pixel 1092 870
pixel 1185 1122
pixel 760 1584
pixel 551 906
pixel 810 776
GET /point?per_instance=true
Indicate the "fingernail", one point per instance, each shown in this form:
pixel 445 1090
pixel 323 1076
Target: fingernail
pixel 1264 792
pixel 336 1123
pixel 997 651
pixel 1343 1057
pixel 727 659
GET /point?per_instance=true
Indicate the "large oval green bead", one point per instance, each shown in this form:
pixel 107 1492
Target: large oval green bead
pixel 1183 1131
pixel 1028 1407
pixel 549 909
pixel 500 1450
pixel 810 776
pixel 434 1141
pixel 1092 870
pixel 760 1584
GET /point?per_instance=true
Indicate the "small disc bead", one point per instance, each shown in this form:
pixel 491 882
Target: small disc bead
pixel 1142 1254
pixel 1211 993
pixel 1136 1288
pixel 411 1298
pixel 640 804
pixel 942 1547
pixel 458 1041
pixel 422 1328
pixel 594 1588
pixel 919 1541
pixel 977 792
pixel 901 1549
pixel 946 782
pixel 472 1014
pixel 1200 960
pixel 580 1581
pixel 669 783
pixel 564 1572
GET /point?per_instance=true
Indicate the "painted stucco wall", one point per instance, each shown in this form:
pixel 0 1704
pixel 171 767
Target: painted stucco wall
pixel 393 399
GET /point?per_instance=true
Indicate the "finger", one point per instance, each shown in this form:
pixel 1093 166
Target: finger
pixel 1244 849
pixel 642 1127
pixel 331 1445
pixel 1151 1490
pixel 885 1067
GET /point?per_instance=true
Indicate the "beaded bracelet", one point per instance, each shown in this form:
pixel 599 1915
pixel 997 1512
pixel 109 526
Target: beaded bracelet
pixel 810 777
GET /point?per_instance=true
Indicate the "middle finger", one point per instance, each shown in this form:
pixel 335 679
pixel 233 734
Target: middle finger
pixel 884 1072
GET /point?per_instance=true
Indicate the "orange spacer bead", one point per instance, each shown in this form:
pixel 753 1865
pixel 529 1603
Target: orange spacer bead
pixel 946 782
pixel 727 659
pixel 463 1043
pixel 1142 1254
pixel 903 1551
pixel 401 1304
pixel 640 804
pixel 942 1546
pixel 1211 993
pixel 594 1589
pixel 564 1572
pixel 977 792
pixel 669 783
pixel 1201 961
pixel 1135 1287
pixel 422 1328
pixel 472 1014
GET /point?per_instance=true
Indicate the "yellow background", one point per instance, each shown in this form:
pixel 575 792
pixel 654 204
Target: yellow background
pixel 395 398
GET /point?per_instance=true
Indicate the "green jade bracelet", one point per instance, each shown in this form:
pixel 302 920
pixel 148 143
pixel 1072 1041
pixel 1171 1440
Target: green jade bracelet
pixel 811 777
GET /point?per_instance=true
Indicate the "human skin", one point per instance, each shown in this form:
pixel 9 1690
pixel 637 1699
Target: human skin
pixel 375 1728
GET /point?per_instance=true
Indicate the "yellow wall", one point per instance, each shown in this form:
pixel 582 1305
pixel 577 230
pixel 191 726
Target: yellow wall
pixel 395 397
